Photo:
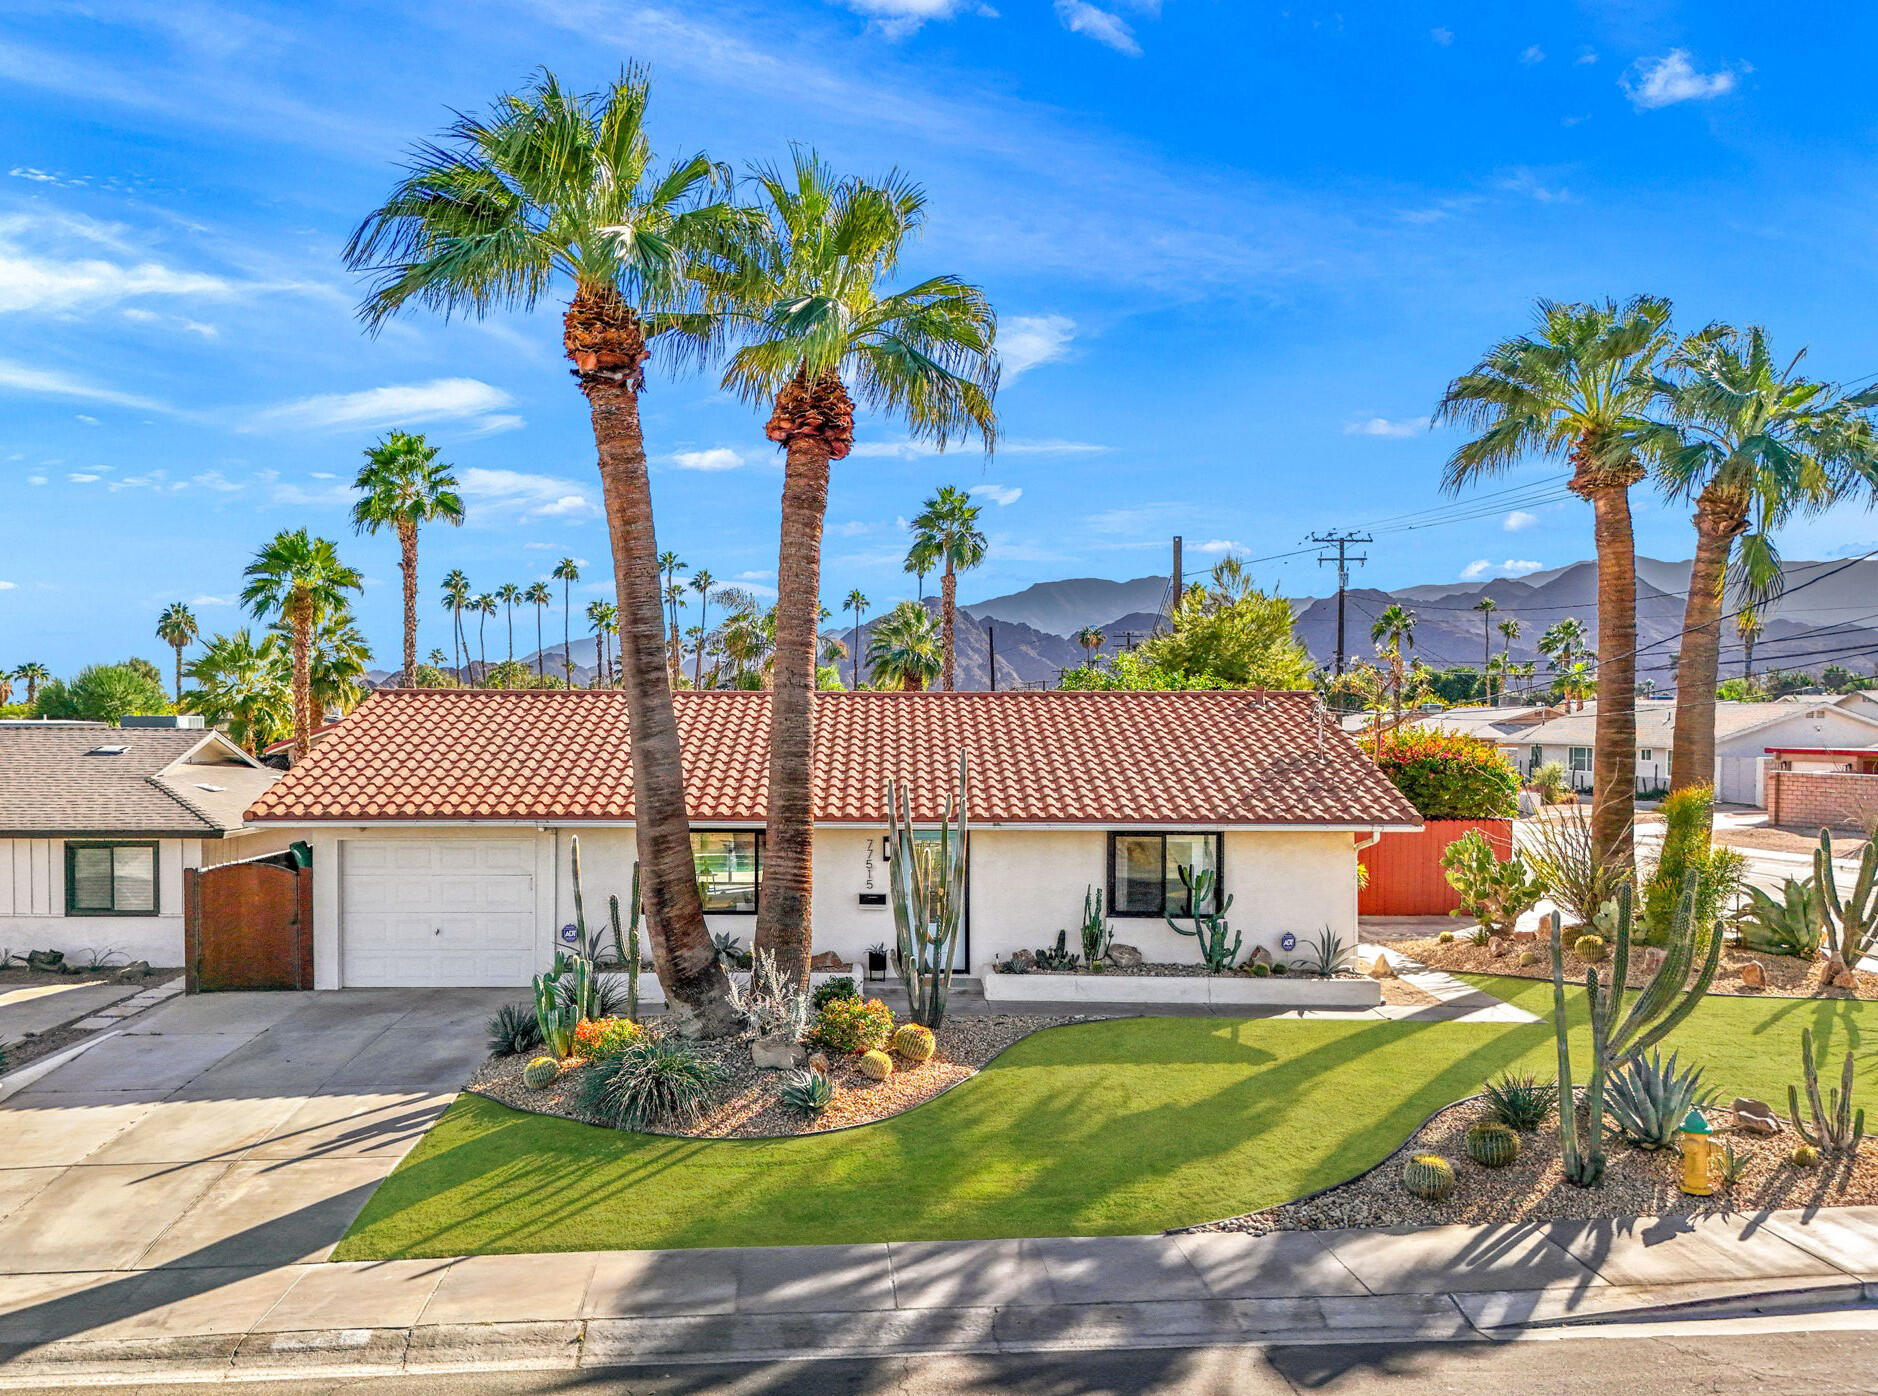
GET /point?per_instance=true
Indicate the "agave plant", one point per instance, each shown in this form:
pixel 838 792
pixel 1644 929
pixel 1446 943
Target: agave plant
pixel 1792 924
pixel 1650 1099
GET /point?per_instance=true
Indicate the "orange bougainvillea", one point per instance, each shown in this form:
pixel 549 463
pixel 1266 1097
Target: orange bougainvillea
pixel 1446 775
pixel 602 1037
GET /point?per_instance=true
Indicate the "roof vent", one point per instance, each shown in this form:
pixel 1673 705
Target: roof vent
pixel 201 786
pixel 117 750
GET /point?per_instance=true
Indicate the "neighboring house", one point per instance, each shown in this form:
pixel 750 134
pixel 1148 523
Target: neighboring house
pixel 1743 732
pixel 441 820
pixel 97 824
pixel 1496 724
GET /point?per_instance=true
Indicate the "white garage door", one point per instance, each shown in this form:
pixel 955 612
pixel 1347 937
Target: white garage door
pixel 437 913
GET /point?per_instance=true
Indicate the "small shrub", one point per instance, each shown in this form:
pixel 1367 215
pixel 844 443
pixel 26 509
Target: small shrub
pixel 514 1030
pixel 853 1025
pixel 1564 857
pixel 1480 937
pixel 1803 1156
pixel 540 1073
pixel 1589 948
pixel 655 1083
pixel 1278 967
pixel 604 1037
pixel 840 987
pixel 1492 1144
pixel 876 1065
pixel 808 1090
pixel 1448 776
pixel 913 1042
pixel 1520 1102
pixel 1429 1176
pixel 1552 783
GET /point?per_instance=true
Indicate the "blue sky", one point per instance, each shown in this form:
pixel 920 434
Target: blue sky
pixel 1237 251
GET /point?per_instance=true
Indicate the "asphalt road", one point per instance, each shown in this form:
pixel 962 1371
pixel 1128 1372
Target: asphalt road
pixel 1817 1363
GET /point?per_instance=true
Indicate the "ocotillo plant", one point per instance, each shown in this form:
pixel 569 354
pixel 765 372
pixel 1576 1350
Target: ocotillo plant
pixel 1851 921
pixel 927 889
pixel 1616 1037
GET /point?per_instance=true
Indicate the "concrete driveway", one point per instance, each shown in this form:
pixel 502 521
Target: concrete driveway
pixel 225 1130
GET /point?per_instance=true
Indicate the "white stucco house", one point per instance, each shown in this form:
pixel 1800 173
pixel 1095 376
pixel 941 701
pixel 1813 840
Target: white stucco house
pixel 441 820
pixel 97 824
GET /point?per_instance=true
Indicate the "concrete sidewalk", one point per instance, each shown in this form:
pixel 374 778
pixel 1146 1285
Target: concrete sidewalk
pixel 1451 1283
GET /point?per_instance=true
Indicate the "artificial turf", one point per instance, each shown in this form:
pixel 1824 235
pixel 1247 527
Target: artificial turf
pixel 1117 1127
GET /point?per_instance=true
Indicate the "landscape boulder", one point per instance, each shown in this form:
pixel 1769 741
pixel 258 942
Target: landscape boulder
pixel 778 1053
pixel 1498 945
pixel 1753 974
pixel 828 962
pixel 1380 968
pixel 1124 956
pixel 1756 1116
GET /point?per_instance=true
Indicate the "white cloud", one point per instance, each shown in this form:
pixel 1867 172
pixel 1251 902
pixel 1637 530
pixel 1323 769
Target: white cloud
pixel 44 278
pixel 854 528
pixel 1664 81
pixel 1521 180
pixel 1586 57
pixel 46 382
pixel 1532 54
pixel 322 475
pixel 896 19
pixel 214 480
pixel 211 601
pixel 759 576
pixel 81 417
pixel 1512 567
pixel 83 478
pixel 1216 545
pixel 715 458
pixel 1518 520
pixel 999 495
pixel 43 177
pixel 1383 426
pixel 1111 30
pixel 521 495
pixel 1444 37
pixel 35 479
pixel 9 586
pixel 1024 341
pixel 440 400
pixel 916 450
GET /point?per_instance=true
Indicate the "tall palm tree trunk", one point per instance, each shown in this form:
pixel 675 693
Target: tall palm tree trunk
pixel 482 644
pixel 301 620
pixel 948 622
pixel 407 563
pixel 704 634
pixel 567 631
pixel 683 956
pixel 1692 750
pixel 541 653
pixel 1614 744
pixel 784 924
pixel 179 675
pixel 856 656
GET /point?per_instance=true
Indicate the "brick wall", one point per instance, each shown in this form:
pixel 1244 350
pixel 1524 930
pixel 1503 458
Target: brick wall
pixel 1821 799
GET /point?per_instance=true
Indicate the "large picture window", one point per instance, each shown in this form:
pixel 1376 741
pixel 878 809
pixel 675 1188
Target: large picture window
pixel 111 879
pixel 1144 872
pixel 729 864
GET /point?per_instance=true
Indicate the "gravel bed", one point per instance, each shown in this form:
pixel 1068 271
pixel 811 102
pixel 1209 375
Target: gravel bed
pixel 1787 977
pixel 745 1105
pixel 1637 1182
pixel 1179 971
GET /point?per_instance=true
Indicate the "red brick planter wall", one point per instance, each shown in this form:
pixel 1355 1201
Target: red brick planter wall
pixel 1813 800
pixel 1405 876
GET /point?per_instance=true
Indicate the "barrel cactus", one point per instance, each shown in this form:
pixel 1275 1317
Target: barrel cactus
pixel 1429 1176
pixel 1803 1156
pixel 1590 949
pixel 540 1073
pixel 913 1042
pixel 876 1065
pixel 1492 1144
pixel 1528 958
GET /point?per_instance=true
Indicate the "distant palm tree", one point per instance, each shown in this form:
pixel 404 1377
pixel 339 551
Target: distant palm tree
pixel 244 687
pixel 675 602
pixel 603 617
pixel 1749 627
pixel 1581 388
pixel 567 572
pixel 178 629
pixel 339 659
pixel 701 582
pixel 856 602
pixel 484 605
pixel 1486 606
pixel 510 595
pixel 456 600
pixel 1091 639
pixel 946 529
pixel 670 566
pixel 903 649
pixel 1562 643
pixel 32 674
pixel 402 485
pixel 1510 630
pixel 300 580
pixel 437 659
pixel 1393 632
pixel 540 598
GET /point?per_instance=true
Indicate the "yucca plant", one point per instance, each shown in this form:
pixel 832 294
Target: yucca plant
pixel 513 1030
pixel 1650 1099
pixel 655 1083
pixel 1522 1102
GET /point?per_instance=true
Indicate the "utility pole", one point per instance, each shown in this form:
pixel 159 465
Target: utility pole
pixel 1341 542
pixel 991 648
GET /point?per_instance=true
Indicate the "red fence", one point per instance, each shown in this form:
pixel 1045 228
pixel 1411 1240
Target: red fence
pixel 1405 876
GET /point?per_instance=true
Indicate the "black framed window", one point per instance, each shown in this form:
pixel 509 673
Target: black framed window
pixel 1144 872
pixel 111 879
pixel 729 864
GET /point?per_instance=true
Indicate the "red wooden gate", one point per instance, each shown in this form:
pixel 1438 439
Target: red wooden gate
pixel 1405 874
pixel 248 926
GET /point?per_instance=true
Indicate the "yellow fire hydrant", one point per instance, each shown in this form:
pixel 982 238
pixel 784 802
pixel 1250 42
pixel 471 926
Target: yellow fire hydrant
pixel 1697 1150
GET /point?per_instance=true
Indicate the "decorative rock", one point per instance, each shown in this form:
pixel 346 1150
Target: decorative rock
pixel 1380 968
pixel 818 1061
pixel 134 971
pixel 778 1053
pixel 1498 945
pixel 1845 979
pixel 1123 956
pixel 1651 957
pixel 1753 975
pixel 1756 1116
pixel 1525 937
pixel 828 962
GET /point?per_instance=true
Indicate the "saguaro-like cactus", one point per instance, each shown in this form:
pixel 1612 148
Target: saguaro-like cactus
pixel 1852 920
pixel 1617 1036
pixel 927 888
pixel 1209 928
pixel 1835 1129
pixel 627 946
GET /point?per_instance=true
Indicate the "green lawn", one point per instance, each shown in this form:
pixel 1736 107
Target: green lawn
pixel 1105 1128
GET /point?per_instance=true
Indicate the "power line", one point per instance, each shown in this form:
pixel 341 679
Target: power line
pixel 1341 542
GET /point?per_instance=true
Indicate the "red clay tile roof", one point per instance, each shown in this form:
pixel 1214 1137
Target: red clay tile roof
pixel 1035 758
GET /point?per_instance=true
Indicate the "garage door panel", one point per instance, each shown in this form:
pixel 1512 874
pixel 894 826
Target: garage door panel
pixel 437 912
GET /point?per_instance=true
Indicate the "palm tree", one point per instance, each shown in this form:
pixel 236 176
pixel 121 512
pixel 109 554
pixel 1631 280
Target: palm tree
pixel 603 618
pixel 673 595
pixel 1748 626
pixel 402 485
pixel 946 529
pixel 509 595
pixel 807 301
pixel 1510 630
pixel 300 580
pixel 903 649
pixel 857 602
pixel 484 606
pixel 244 687
pixel 701 582
pixel 437 658
pixel 1393 632
pixel 1561 643
pixel 675 602
pixel 1580 388
pixel 1760 445
pixel 32 674
pixel 339 657
pixel 177 628
pixel 919 562
pixel 551 190
pixel 1486 606
pixel 456 600
pixel 1576 683
pixel 540 598
pixel 567 572
pixel 1091 639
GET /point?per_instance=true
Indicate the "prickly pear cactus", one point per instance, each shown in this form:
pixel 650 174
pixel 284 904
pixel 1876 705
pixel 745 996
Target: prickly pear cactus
pixel 1492 1144
pixel 913 1042
pixel 540 1073
pixel 1429 1176
pixel 876 1065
